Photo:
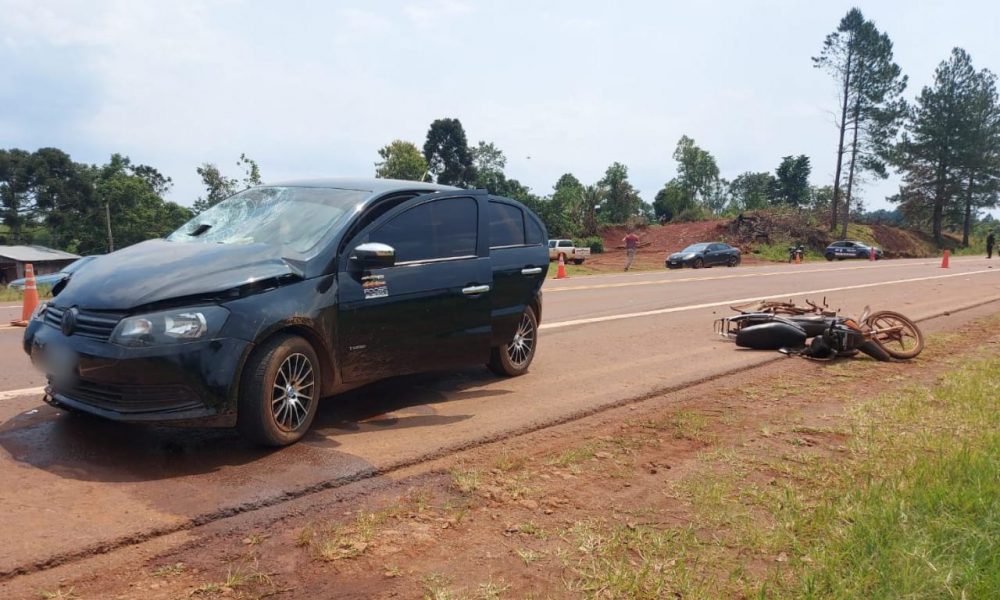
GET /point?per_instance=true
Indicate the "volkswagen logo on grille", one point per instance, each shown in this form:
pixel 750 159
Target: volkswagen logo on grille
pixel 69 321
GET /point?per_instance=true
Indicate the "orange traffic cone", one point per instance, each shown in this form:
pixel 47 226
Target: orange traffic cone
pixel 30 297
pixel 871 253
pixel 944 261
pixel 798 258
pixel 561 271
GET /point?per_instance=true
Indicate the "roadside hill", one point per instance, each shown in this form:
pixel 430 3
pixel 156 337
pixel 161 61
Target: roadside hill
pixel 762 236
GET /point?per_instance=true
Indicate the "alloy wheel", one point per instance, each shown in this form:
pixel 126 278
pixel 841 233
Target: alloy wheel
pixel 520 349
pixel 293 392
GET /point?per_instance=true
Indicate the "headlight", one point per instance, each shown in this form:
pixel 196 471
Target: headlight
pixel 690 255
pixel 39 311
pixel 170 327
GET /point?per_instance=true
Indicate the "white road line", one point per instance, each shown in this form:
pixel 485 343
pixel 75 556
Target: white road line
pixel 25 392
pixel 663 311
pixel 598 286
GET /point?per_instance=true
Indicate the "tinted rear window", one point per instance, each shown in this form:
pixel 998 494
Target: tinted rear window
pixel 506 225
pixel 534 230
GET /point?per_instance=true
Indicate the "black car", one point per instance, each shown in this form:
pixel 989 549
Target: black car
pixel 283 294
pixel 850 249
pixel 707 254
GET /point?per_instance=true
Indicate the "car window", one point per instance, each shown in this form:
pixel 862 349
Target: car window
pixel 552 243
pixel 506 225
pixel 565 243
pixel 533 231
pixel 433 230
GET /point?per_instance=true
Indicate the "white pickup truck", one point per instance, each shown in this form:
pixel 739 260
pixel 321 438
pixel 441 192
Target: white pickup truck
pixel 569 252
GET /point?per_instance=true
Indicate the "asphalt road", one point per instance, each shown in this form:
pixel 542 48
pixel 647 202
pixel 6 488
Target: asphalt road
pixel 72 482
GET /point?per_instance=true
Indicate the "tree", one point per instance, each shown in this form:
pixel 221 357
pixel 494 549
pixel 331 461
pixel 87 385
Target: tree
pixel 673 200
pixel 951 143
pixel 622 201
pixel 698 174
pixel 220 187
pixel 401 160
pixel 563 216
pixel 489 163
pixel 791 184
pixel 447 153
pixel 751 191
pixel 980 154
pixel 871 106
pixel 590 198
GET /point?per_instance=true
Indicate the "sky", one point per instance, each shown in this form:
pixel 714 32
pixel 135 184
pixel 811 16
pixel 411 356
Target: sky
pixel 315 88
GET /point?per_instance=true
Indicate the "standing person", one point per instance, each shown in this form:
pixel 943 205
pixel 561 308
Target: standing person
pixel 989 245
pixel 631 247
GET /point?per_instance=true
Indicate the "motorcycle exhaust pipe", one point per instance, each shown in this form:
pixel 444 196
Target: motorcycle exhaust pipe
pixel 875 351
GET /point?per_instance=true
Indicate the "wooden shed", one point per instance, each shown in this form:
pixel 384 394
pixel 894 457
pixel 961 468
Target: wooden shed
pixel 44 260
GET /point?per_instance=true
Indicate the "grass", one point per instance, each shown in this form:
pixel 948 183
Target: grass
pixel 920 510
pixel 60 594
pixel 466 480
pixel 168 570
pixel 907 505
pixel 11 295
pixel 683 424
pixel 573 270
pixel 778 252
pixel 332 542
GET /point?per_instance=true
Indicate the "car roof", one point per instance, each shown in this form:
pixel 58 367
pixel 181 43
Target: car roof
pixel 362 184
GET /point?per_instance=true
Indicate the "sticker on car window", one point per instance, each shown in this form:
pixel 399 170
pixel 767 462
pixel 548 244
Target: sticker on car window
pixel 374 286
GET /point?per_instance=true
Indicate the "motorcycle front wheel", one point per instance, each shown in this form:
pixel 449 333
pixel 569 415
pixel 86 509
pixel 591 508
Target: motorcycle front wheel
pixel 896 334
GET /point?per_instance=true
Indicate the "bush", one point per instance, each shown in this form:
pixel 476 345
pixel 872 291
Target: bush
pixel 595 244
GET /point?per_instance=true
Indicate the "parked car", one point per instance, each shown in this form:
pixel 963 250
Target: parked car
pixel 569 251
pixel 51 279
pixel 283 294
pixel 850 249
pixel 706 254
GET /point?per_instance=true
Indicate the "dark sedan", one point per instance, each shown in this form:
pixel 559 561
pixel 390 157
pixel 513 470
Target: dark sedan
pixel 706 254
pixel 287 293
pixel 850 249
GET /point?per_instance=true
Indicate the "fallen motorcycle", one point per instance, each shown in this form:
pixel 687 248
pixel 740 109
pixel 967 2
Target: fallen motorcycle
pixel 819 333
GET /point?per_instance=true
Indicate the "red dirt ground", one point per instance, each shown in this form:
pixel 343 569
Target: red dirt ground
pixel 530 517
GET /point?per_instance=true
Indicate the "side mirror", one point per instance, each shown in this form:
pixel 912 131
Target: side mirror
pixel 373 255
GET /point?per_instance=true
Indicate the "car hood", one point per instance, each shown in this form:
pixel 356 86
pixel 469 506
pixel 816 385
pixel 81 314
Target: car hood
pixel 679 255
pixel 159 270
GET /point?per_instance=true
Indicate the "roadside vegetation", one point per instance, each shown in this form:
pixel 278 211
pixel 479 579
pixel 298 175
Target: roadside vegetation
pixel 11 295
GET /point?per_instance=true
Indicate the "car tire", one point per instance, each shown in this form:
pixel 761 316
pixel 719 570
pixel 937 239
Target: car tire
pixel 698 263
pixel 830 256
pixel 577 261
pixel 514 358
pixel 279 375
pixel 733 261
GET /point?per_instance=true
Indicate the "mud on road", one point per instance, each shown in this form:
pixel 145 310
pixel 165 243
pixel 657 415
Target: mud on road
pixel 531 515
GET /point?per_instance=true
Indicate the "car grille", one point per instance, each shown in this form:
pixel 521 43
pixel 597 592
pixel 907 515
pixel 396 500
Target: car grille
pixel 97 325
pixel 129 399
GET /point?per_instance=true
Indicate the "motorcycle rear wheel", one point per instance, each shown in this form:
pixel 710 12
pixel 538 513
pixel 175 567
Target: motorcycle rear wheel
pixel 904 340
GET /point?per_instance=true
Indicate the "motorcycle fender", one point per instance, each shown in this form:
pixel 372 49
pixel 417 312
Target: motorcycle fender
pixel 771 336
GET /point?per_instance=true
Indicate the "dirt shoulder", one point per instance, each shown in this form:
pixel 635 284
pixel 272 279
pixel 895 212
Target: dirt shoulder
pixel 639 501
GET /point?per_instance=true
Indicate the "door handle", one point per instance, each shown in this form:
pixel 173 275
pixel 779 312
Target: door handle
pixel 531 270
pixel 475 290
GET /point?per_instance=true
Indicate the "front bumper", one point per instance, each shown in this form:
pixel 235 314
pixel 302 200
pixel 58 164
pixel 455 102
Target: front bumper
pixel 678 263
pixel 185 383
